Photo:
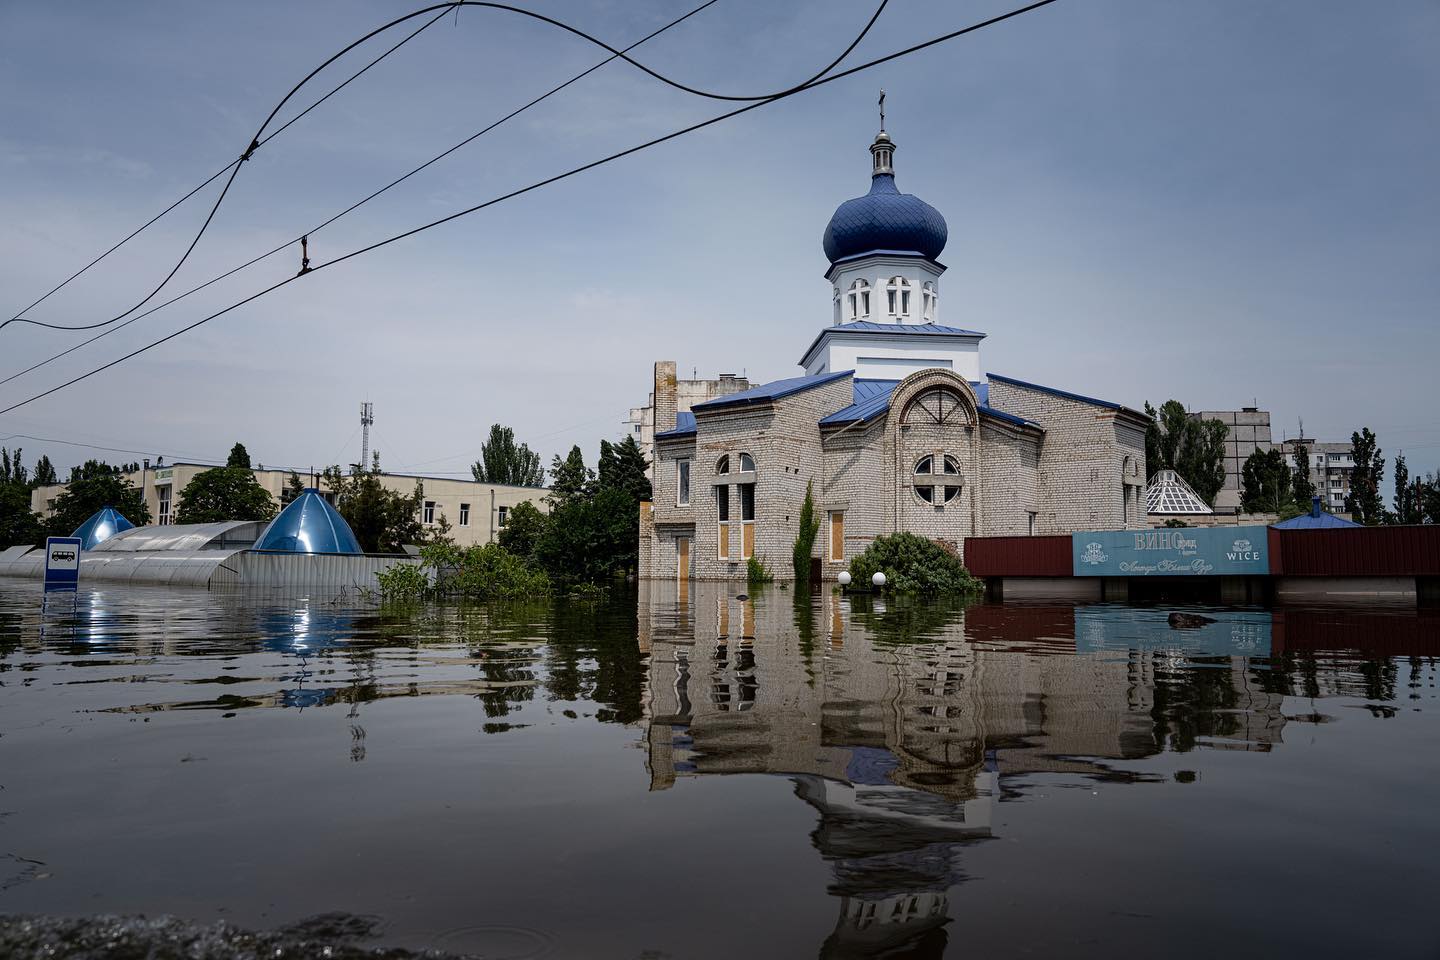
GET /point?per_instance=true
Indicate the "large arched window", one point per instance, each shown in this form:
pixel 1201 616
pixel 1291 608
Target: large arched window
pixel 928 298
pixel 858 300
pixel 938 406
pixel 937 482
pixel 897 297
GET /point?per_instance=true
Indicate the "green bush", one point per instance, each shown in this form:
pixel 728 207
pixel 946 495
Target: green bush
pixel 913 564
pixel 484 573
pixel 403 583
pixel 756 572
pixel 476 573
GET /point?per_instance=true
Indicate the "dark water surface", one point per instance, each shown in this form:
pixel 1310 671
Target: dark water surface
pixel 717 777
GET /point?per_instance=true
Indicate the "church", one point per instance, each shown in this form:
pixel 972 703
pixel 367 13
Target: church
pixel 893 424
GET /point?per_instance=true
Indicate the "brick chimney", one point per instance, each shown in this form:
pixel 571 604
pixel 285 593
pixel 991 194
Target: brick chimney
pixel 666 395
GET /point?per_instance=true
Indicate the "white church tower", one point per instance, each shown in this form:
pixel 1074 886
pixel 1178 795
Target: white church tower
pixel 885 285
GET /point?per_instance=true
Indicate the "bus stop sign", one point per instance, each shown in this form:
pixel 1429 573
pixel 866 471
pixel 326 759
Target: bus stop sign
pixel 62 561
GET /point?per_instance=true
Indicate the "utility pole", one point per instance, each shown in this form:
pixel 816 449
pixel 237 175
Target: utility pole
pixel 367 417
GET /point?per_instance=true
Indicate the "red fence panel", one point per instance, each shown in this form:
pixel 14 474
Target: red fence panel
pixel 1356 552
pixel 1018 556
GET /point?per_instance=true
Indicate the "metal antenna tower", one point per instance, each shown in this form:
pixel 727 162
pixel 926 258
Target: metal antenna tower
pixel 367 417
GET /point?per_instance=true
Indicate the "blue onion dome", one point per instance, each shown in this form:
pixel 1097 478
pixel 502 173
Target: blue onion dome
pixel 885 219
pixel 309 525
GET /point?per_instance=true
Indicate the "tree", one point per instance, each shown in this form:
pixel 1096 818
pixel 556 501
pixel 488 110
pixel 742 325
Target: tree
pixel 293 488
pixel 589 539
pixel 44 475
pixel 1304 487
pixel 502 461
pixel 18 523
pixel 523 529
pixel 1428 498
pixel 622 467
pixel 1363 502
pixel 1267 483
pixel 569 478
pixel 224 493
pixel 1407 495
pixel 93 485
pixel 382 520
pixel 1192 447
pixel 805 539
pixel 12 471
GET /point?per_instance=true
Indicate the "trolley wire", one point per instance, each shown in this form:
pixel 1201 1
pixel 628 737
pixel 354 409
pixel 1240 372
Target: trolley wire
pixel 675 134
pixel 256 142
pixel 232 167
pixel 359 203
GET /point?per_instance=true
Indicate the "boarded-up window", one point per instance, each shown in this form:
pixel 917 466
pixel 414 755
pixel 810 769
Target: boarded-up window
pixel 837 536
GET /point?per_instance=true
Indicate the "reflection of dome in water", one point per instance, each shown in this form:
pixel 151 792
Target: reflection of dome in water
pixel 104 524
pixel 309 525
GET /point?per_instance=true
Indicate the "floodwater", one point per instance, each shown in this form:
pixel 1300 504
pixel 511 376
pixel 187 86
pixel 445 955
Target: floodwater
pixel 686 773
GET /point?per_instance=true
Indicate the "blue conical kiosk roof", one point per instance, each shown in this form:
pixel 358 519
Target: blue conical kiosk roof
pixel 309 525
pixel 1316 519
pixel 104 524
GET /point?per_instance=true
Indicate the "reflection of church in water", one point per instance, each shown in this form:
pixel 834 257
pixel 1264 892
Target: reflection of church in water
pixel 903 735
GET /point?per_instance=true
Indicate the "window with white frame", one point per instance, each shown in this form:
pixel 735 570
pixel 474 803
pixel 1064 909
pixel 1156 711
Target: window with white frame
pixel 427 515
pixel 163 494
pixel 858 300
pixel 928 304
pixel 464 514
pixel 682 483
pixel 897 297
pixel 722 466
pixel 747 463
pixel 502 516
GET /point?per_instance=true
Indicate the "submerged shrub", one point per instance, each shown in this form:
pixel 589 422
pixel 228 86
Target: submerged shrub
pixel 913 564
pixel 756 572
pixel 403 583
pixel 471 573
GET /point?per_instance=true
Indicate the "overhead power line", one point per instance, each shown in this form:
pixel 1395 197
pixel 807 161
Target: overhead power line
pixel 257 141
pixel 233 167
pixel 354 206
pixel 537 185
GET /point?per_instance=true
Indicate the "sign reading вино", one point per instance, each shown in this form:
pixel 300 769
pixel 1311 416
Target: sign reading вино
pixel 1171 552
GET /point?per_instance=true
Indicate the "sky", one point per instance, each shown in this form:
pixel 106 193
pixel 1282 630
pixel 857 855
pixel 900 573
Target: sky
pixel 1223 203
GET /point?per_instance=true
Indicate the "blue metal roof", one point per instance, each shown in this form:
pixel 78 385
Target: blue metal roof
pixel 771 391
pixel 1059 393
pixel 902 329
pixel 872 398
pixel 1316 519
pixel 102 525
pixel 885 219
pixel 309 525
pixel 932 329
pixel 684 426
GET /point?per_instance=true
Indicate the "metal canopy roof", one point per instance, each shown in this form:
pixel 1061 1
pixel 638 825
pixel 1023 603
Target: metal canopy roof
pixel 1168 493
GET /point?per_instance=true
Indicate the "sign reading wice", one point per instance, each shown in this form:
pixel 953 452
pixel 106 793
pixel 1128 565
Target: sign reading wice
pixel 62 561
pixel 1171 552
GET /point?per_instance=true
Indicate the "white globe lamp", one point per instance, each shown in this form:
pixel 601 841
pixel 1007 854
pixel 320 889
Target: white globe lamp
pixel 878 579
pixel 844 578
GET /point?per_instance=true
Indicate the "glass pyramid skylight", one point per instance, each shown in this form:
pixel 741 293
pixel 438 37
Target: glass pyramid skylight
pixel 1169 494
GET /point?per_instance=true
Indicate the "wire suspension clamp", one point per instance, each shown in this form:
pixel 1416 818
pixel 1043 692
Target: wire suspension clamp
pixel 304 255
